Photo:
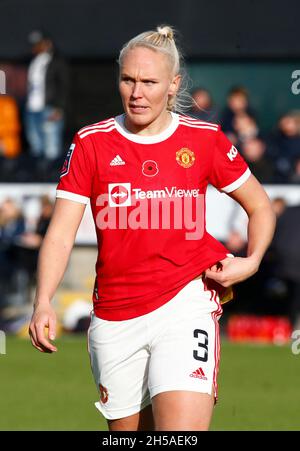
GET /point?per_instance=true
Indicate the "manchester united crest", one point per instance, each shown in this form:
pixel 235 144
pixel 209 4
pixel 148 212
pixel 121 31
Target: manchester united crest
pixel 185 157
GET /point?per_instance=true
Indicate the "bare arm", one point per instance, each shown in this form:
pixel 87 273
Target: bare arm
pixel 254 200
pixel 53 259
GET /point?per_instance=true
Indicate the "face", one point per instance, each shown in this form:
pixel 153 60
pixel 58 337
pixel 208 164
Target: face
pixel 203 100
pixel 237 102
pixel 243 123
pixel 254 149
pixel 145 84
pixel 288 125
pixel 9 210
pixel 42 46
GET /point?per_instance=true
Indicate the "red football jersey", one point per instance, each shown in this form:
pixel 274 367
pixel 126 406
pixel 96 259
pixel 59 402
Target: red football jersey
pixel 147 195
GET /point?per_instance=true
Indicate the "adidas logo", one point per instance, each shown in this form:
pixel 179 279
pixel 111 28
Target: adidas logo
pixel 117 161
pixel 199 373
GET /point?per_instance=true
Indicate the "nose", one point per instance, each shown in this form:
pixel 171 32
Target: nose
pixel 137 90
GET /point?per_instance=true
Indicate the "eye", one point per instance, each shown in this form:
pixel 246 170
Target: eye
pixel 149 82
pixel 126 80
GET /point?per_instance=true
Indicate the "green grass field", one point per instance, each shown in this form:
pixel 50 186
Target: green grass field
pixel 258 388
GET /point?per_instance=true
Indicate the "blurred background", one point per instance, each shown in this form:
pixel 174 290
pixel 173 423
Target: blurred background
pixel 58 73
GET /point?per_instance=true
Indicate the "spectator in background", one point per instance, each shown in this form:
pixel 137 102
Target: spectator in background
pixel 202 108
pixel 244 128
pixel 285 145
pixel 12 223
pixel 19 259
pixel 295 177
pixel 33 239
pixel 286 245
pixel 268 282
pixel 47 95
pixel 11 220
pixel 254 152
pixel 236 240
pixel 12 226
pixel 10 143
pixel 236 243
pixel 237 103
pixel 273 287
pixel 279 205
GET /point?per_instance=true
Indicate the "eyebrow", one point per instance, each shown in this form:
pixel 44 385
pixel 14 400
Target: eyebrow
pixel 143 79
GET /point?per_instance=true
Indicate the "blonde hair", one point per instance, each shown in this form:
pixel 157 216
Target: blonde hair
pixel 162 40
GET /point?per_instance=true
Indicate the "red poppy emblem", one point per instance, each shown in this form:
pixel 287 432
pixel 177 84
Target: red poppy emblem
pixel 150 168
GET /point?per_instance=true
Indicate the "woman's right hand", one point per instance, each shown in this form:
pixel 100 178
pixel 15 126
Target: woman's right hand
pixel 43 317
pixel 53 258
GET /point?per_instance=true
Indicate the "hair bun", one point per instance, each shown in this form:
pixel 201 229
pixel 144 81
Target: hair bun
pixel 166 31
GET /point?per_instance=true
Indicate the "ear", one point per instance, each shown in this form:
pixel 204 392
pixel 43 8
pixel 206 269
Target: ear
pixel 174 86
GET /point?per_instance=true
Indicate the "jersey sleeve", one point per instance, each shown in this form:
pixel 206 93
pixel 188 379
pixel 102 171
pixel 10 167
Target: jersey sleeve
pixel 76 174
pixel 229 169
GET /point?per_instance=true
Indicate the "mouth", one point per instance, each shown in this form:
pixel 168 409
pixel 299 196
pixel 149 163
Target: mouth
pixel 138 108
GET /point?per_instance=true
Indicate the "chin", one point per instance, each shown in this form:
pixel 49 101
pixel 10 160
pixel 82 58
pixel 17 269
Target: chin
pixel 140 119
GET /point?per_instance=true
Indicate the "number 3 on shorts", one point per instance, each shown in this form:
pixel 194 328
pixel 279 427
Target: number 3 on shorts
pixel 204 345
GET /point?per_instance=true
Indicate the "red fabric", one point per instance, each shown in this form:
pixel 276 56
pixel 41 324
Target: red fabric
pixel 138 270
pixel 227 163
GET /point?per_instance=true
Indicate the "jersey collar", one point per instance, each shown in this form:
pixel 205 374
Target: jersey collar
pixel 152 139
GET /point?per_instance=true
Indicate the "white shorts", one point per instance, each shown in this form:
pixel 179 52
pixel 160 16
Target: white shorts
pixel 175 347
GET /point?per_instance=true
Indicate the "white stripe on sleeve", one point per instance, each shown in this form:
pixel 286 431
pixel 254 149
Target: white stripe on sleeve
pixel 72 196
pixel 237 183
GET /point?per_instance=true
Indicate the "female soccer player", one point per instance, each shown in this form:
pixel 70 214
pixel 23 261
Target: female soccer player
pixel 154 338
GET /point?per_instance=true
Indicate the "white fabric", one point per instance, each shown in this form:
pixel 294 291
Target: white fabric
pixel 237 183
pixel 36 82
pixel 71 196
pixel 138 358
pixel 146 139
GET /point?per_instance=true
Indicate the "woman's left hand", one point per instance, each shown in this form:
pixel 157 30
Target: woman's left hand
pixel 232 270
